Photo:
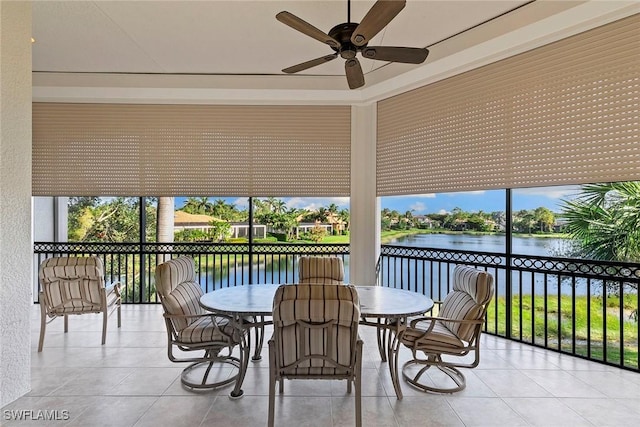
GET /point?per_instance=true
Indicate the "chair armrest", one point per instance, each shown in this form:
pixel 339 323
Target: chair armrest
pixel 113 287
pixel 214 319
pixel 432 319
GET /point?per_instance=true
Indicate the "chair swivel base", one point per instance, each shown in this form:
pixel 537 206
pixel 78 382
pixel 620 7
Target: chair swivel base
pixel 414 379
pixel 206 374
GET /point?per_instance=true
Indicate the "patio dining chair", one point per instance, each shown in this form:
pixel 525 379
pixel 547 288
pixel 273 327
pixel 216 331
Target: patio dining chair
pixel 315 337
pixel 442 341
pixel 75 286
pixel 211 336
pixel 321 269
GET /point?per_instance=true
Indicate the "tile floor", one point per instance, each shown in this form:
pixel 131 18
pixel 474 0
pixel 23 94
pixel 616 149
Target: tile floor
pixel 131 382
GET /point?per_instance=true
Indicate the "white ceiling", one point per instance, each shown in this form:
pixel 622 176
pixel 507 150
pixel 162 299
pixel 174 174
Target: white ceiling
pixel 199 48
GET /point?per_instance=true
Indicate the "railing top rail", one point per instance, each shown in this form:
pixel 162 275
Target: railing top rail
pixel 615 270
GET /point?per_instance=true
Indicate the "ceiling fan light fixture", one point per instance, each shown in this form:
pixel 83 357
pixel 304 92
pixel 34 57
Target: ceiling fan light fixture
pixel 369 53
pixel 333 43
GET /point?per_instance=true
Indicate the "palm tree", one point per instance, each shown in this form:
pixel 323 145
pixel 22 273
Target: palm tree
pixel 260 206
pixel 191 205
pixel 604 220
pixel 197 205
pixel 271 202
pixel 344 216
pixel 278 206
pixel 220 209
pixel 321 214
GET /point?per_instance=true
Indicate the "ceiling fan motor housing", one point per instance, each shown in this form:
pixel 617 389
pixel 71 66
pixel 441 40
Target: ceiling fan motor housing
pixel 342 33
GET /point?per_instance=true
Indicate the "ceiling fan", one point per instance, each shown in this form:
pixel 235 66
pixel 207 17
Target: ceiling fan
pixel 347 39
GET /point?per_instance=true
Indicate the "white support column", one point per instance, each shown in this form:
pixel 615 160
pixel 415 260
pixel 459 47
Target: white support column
pixel 365 206
pixel 16 242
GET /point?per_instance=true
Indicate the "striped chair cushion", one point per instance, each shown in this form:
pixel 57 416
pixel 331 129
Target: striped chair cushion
pixel 477 283
pixel 322 270
pixel 472 290
pixel 204 330
pixel 179 292
pixel 440 335
pixel 315 303
pixel 72 284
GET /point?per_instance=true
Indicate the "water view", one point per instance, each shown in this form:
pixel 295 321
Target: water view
pixel 281 270
pixel 484 243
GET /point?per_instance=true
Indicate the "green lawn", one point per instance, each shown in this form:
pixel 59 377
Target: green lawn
pixel 562 324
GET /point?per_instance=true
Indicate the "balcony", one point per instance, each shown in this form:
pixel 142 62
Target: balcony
pixel 586 309
pixel 130 382
pixel 531 372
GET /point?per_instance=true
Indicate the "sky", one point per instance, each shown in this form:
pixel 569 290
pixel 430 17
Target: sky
pixel 474 201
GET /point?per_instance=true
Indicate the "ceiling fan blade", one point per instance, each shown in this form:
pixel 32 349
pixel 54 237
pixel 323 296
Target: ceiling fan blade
pixel 380 14
pixel 306 65
pixel 407 55
pixel 305 28
pixel 355 77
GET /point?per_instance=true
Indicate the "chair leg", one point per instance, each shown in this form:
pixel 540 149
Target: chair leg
pixel 358 384
pixel 358 402
pixel 43 325
pixel 66 323
pixel 272 384
pixel 105 315
pixel 119 315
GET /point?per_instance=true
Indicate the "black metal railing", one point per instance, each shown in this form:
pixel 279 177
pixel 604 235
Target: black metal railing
pixel 218 264
pixel 581 307
pixel 585 308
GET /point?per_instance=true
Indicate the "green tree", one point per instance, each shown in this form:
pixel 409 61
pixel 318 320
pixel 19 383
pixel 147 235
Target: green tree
pixel 225 211
pixel 345 216
pixel 604 221
pixel 220 230
pixel 478 222
pixel 545 218
pixel 197 206
pixel 104 220
pixel 524 221
pixel 408 219
pixel 317 233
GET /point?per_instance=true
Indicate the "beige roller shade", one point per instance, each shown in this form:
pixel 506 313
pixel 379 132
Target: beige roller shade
pixel 565 113
pixel 183 150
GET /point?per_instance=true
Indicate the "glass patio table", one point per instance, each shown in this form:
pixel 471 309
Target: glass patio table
pixel 385 308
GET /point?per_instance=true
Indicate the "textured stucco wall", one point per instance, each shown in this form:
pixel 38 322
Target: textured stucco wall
pixel 15 199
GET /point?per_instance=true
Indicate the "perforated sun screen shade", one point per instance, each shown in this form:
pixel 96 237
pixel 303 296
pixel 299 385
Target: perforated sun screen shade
pixel 178 150
pixel 565 113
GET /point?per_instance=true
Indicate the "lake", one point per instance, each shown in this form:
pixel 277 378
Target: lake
pixel 527 283
pixel 485 243
pixel 283 271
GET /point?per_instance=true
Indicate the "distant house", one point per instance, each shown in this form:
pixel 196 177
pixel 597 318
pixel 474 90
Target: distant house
pixel 424 221
pixel 186 221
